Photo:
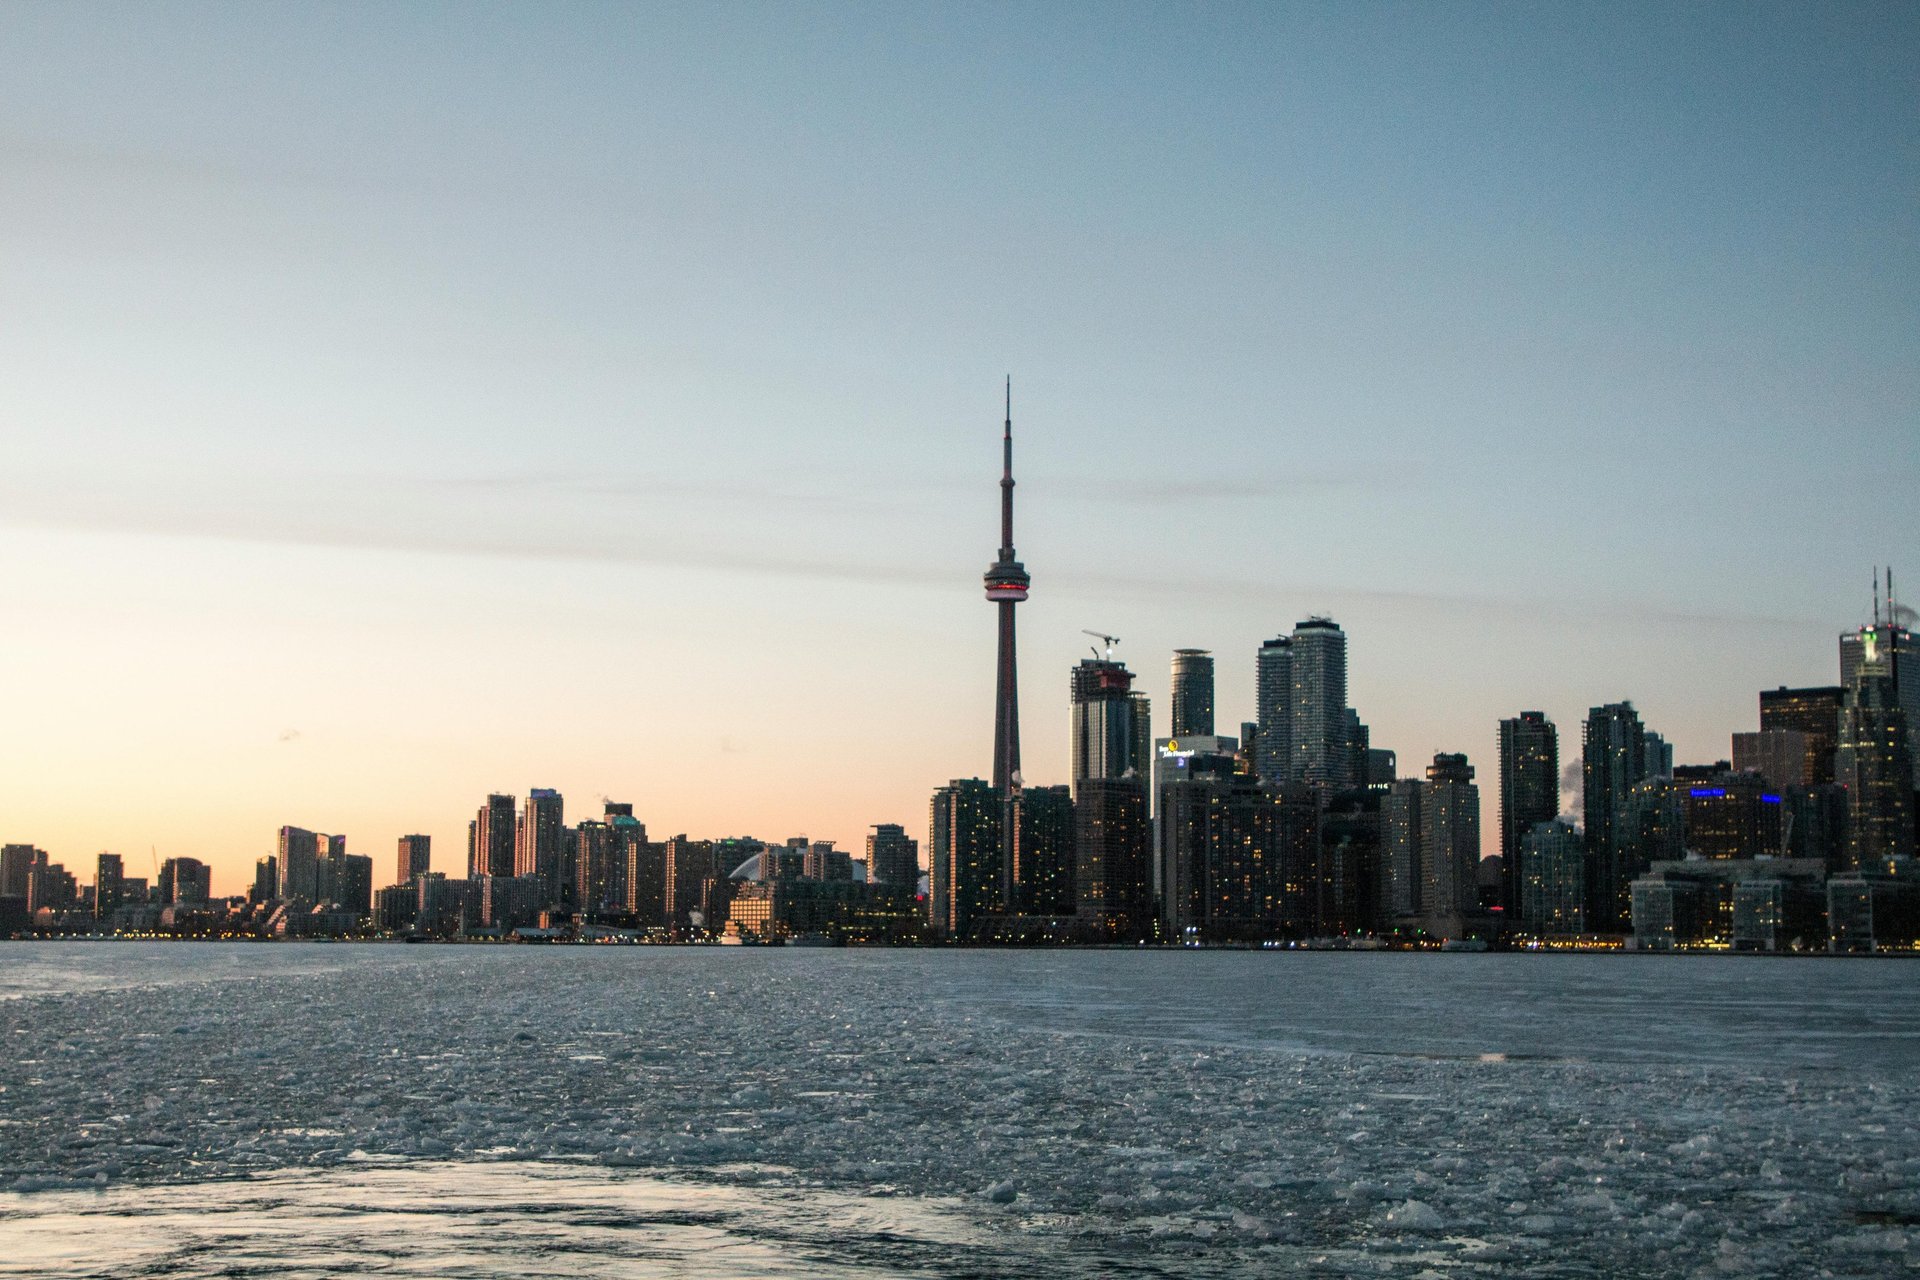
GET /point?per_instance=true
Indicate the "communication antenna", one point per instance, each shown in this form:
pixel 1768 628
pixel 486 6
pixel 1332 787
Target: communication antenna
pixel 1103 637
pixel 1876 595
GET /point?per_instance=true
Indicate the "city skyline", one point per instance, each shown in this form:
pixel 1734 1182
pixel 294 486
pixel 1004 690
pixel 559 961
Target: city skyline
pixel 600 434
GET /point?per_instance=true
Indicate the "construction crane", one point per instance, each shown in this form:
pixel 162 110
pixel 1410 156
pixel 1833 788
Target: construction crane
pixel 1102 636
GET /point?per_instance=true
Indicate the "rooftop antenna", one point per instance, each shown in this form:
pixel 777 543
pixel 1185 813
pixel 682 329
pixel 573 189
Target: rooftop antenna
pixel 1876 595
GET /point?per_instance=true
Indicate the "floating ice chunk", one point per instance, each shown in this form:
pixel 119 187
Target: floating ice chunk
pixel 1415 1215
pixel 1002 1192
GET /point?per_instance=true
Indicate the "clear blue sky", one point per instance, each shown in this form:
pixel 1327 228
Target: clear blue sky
pixel 403 402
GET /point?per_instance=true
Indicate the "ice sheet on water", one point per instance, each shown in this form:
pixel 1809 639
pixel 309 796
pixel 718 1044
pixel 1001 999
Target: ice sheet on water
pixel 1173 1120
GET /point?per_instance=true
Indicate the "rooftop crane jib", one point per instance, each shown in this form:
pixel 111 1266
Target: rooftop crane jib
pixel 1102 636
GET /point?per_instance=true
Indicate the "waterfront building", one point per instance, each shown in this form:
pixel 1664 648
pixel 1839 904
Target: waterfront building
pixel 416 858
pixel 185 880
pixel 964 849
pixel 691 866
pixel 1273 745
pixel 541 847
pixel 1044 852
pixel 1350 875
pixel 647 882
pixel 1529 790
pixel 490 838
pixel 893 859
pixel 1553 880
pixel 266 880
pixel 1697 902
pixel 1190 702
pixel 1875 908
pixel 1613 761
pixel 1113 857
pixel 1449 846
pixel 298 861
pixel 109 877
pixel 843 910
pixel 509 902
pixel 442 904
pixel 16 864
pixel 1728 814
pixel 1402 821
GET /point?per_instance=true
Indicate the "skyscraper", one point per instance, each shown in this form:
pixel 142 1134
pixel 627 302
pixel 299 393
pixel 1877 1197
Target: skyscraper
pixel 490 838
pixel 109 873
pixel 1273 694
pixel 1449 845
pixel 1113 857
pixel 1321 757
pixel 1529 789
pixel 1402 819
pixel 1191 711
pixel 299 866
pixel 1552 879
pixel 1874 757
pixel 1007 583
pixel 1043 851
pixel 1893 655
pixel 416 858
pixel 1111 733
pixel 964 850
pixel 1813 713
pixel 541 847
pixel 1613 760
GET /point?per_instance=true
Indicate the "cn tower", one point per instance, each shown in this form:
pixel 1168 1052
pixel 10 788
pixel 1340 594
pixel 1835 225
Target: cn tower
pixel 1006 587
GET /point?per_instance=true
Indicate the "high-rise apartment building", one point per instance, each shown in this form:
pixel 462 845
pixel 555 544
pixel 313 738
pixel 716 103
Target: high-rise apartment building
pixel 1043 852
pixel 1112 733
pixel 1529 789
pixel 184 881
pixel 1813 713
pixel 491 837
pixel 647 882
pixel 108 877
pixel 416 858
pixel 541 846
pixel 1273 693
pixel 299 866
pixel 893 859
pixel 1191 699
pixel 16 865
pixel 1613 761
pixel 1449 845
pixel 964 851
pixel 1553 878
pixel 1402 819
pixel 1322 758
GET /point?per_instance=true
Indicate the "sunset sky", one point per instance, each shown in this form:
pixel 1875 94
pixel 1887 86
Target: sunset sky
pixel 400 403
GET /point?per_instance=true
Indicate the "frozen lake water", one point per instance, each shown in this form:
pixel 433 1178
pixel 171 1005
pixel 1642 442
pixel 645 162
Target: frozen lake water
pixel 200 1110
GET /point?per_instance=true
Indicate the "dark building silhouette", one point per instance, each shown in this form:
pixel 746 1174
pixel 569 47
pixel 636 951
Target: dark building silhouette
pixel 1814 713
pixel 1529 790
pixel 1190 708
pixel 490 838
pixel 647 882
pixel 1273 745
pixel 299 866
pixel 1113 864
pixel 1613 762
pixel 416 858
pixel 964 851
pixel 893 859
pixel 1043 849
pixel 109 878
pixel 1873 760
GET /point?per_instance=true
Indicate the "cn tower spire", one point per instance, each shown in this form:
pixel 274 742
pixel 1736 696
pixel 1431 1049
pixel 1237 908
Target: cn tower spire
pixel 1007 583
